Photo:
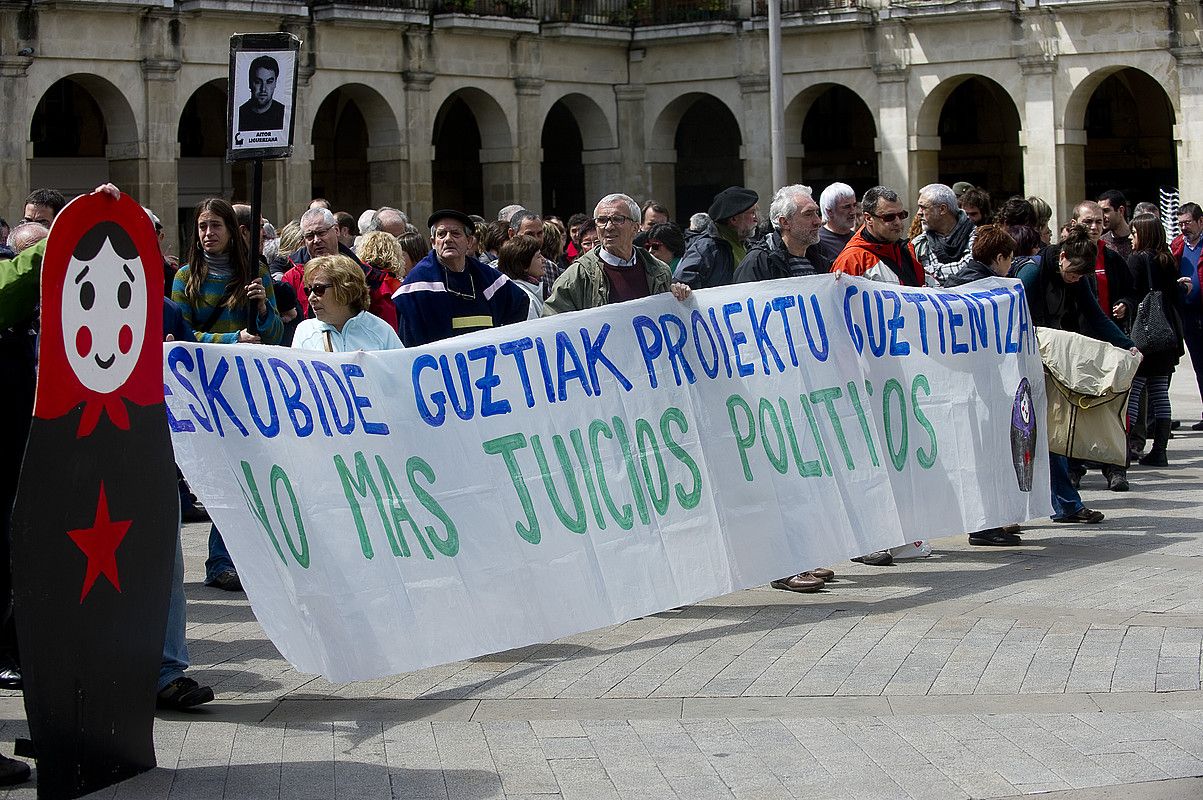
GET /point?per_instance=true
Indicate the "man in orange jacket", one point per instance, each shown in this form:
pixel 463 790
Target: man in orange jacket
pixel 879 250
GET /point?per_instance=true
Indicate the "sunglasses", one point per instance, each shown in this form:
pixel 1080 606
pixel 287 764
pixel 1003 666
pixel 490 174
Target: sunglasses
pixel 317 289
pixel 890 217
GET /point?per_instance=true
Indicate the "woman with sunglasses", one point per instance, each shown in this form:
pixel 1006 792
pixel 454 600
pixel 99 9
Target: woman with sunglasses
pixel 339 297
pixel 216 291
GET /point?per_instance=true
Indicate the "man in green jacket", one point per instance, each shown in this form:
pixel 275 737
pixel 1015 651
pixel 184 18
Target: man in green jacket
pixel 615 271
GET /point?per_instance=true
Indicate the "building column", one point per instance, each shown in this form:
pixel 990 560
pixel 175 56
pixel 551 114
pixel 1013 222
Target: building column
pixel 162 148
pixel 528 189
pixel 1037 135
pixel 499 176
pixel 893 142
pixel 603 175
pixel 639 177
pixel 756 149
pixel 419 139
pixel 923 167
pixel 1188 132
pixel 387 171
pixel 1070 173
pixel 15 150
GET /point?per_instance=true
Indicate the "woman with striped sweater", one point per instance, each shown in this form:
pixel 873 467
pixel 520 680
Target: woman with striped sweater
pixel 216 291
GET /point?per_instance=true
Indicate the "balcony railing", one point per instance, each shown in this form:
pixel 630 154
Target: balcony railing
pixel 622 13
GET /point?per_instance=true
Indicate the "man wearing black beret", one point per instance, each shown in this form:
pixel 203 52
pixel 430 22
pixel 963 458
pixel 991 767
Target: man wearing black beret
pixel 449 292
pixel 711 257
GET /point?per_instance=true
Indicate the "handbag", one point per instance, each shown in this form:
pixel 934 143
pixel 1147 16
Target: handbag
pixel 1152 330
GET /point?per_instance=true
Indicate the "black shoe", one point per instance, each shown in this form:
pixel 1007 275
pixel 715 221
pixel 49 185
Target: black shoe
pixel 1117 481
pixel 1083 514
pixel 227 580
pixel 12 771
pixel 1176 424
pixel 10 678
pixel 194 512
pixel 183 693
pixel 878 558
pixel 994 537
pixel 1198 426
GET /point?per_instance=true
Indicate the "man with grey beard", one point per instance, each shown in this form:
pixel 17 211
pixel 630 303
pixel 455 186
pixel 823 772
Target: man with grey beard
pixel 782 254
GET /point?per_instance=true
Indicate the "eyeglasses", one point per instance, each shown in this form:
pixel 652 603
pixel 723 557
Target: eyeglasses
pixel 617 219
pixel 890 217
pixel 317 289
pixel 314 235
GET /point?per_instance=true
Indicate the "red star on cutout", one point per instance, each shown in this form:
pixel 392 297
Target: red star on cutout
pixel 99 543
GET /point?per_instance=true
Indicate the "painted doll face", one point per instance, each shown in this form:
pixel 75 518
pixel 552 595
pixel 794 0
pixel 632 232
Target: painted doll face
pixel 104 317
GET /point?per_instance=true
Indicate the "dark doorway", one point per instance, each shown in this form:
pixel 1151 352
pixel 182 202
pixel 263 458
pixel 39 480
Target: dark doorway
pixel 843 152
pixel 707 143
pixel 340 170
pixel 979 139
pixel 563 173
pixel 456 172
pixel 1130 137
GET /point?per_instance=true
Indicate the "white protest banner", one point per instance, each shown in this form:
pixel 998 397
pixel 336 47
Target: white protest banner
pixel 391 511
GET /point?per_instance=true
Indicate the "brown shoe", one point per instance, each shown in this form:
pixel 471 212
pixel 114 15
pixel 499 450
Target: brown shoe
pixel 798 583
pixel 822 573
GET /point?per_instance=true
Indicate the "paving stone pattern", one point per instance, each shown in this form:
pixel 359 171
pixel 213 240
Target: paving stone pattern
pixel 1071 665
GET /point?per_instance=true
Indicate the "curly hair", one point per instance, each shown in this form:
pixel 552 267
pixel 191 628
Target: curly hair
pixel 346 278
pixel 380 250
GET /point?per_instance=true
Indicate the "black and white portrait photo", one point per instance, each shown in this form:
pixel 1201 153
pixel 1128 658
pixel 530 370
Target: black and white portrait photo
pixel 263 77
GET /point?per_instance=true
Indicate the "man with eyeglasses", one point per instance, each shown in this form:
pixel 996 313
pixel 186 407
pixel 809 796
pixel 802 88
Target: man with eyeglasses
pixel 42 206
pixel 879 251
pixel 449 292
pixel 319 230
pixel 615 271
pixel 711 257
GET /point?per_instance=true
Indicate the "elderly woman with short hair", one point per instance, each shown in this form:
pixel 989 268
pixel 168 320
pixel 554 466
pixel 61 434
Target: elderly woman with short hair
pixel 338 296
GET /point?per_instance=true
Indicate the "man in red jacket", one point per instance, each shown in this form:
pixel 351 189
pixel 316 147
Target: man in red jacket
pixel 879 250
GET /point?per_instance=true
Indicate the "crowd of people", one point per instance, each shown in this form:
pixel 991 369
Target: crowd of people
pixel 336 281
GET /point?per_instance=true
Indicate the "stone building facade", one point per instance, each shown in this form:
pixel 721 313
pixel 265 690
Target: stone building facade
pixel 478 104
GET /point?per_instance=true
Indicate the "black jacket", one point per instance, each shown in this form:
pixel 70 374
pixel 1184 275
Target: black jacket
pixel 768 260
pixel 973 271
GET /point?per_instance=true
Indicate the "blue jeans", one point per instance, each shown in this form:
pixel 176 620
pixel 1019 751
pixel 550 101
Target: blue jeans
pixel 219 557
pixel 175 644
pixel 1066 500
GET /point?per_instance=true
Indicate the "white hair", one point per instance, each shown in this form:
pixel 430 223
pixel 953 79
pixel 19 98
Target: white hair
pixel 324 214
pixel 700 222
pixel 632 206
pixel 377 222
pixel 831 197
pixel 785 201
pixel 504 214
pixel 365 219
pixel 940 193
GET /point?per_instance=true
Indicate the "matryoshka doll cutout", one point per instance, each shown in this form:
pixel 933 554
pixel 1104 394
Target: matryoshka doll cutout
pixel 94 526
pixel 1023 435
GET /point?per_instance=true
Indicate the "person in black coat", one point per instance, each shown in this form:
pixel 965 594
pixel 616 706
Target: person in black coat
pixel 1153 268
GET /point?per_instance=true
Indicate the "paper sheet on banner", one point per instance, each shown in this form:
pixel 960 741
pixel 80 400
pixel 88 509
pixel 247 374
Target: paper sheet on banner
pixel 383 519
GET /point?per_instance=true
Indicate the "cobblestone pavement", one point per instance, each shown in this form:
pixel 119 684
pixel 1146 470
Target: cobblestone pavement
pixel 1069 665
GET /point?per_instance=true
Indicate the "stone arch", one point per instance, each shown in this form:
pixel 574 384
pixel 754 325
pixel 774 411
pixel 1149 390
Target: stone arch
pixel 473 151
pixel 202 170
pixel 573 126
pixel 1128 121
pixel 83 132
pixel 706 142
pixel 356 149
pixel 826 152
pixel 968 129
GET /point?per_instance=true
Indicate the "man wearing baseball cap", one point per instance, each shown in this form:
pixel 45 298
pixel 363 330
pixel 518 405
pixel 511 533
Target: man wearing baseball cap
pixel 449 292
pixel 711 257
